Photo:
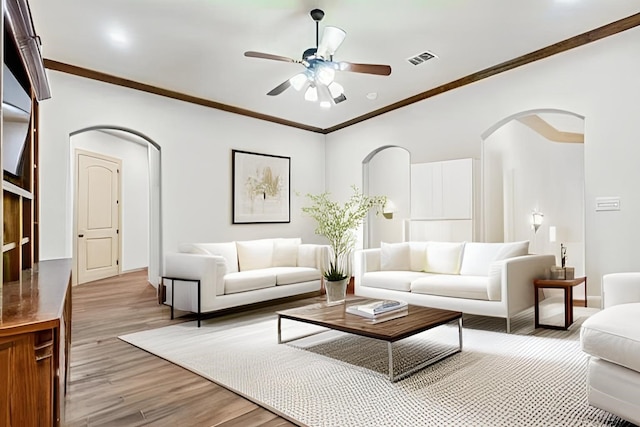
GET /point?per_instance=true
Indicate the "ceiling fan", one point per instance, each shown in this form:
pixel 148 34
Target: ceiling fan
pixel 318 76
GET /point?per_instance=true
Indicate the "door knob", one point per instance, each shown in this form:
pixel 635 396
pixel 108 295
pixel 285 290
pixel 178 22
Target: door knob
pixel 80 235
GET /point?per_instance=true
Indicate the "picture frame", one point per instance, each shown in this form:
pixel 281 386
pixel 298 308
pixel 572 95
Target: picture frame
pixel 261 188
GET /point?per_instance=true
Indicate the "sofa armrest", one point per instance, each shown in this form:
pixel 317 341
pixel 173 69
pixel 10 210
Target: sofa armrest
pixel 516 277
pixel 209 269
pixel 365 260
pixel 620 288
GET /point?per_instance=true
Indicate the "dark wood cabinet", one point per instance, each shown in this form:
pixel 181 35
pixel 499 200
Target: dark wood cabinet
pixel 35 341
pixel 35 299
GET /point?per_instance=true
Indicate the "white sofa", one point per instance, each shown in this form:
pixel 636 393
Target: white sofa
pixel 611 337
pixel 491 279
pixel 238 273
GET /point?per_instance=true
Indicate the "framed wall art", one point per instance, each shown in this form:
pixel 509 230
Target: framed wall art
pixel 261 188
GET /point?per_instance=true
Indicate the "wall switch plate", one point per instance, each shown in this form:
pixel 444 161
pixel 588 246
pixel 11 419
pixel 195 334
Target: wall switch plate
pixel 607 203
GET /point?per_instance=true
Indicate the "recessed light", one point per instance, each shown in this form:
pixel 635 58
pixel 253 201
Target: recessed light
pixel 372 95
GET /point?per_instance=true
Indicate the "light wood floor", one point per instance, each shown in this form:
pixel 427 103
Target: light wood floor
pixel 113 383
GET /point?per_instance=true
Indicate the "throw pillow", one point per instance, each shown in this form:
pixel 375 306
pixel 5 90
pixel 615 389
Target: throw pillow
pixel 285 252
pixel 395 256
pixel 444 257
pixel 226 250
pixel 478 256
pixel 255 254
pixel 418 252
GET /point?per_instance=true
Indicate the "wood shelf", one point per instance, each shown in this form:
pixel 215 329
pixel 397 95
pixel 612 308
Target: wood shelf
pixel 18 191
pixel 7 247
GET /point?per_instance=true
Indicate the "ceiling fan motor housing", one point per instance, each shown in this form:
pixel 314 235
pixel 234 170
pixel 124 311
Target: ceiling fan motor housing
pixel 309 52
pixel 317 15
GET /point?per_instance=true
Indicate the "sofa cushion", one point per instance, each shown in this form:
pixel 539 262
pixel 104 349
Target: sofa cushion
pixel 395 280
pixel 285 252
pixel 226 250
pixel 478 256
pixel 290 275
pixel 309 256
pixel 395 256
pixel 470 287
pixel 255 254
pixel 443 257
pixel 613 335
pixel 418 254
pixel 248 281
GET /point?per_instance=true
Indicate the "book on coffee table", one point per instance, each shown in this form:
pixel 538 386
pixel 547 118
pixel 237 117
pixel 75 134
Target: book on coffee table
pixel 376 309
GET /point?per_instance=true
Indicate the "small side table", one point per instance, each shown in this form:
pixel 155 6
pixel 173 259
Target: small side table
pixel 567 286
pixel 197 282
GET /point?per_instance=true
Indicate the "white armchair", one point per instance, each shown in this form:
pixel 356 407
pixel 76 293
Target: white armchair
pixel 612 340
pixel 620 288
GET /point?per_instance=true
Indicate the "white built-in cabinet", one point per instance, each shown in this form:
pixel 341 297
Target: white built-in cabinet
pixel 442 200
pixel 442 190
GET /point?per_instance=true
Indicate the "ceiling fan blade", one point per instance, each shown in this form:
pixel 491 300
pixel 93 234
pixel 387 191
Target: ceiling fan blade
pixel 252 54
pixel 382 70
pixel 280 88
pixel 332 38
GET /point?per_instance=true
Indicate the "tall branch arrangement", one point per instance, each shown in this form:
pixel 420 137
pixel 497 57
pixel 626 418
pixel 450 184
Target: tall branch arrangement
pixel 339 223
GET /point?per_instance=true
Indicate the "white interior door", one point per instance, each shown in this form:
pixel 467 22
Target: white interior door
pixel 98 217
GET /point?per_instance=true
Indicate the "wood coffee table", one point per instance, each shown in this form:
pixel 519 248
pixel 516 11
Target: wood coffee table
pixel 418 319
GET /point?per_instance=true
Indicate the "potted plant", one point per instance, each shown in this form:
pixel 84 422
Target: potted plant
pixel 339 223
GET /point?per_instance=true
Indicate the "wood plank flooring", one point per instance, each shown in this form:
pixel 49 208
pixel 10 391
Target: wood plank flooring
pixel 113 383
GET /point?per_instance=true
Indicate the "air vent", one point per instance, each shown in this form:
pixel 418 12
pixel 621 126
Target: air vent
pixel 421 58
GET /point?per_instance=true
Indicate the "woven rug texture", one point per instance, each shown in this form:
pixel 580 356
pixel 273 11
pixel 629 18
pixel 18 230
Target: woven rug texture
pixel 526 378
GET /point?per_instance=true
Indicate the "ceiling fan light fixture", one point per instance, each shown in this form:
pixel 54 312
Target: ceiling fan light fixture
pixel 325 97
pixel 325 74
pixel 336 90
pixel 332 38
pixel 311 94
pixel 298 81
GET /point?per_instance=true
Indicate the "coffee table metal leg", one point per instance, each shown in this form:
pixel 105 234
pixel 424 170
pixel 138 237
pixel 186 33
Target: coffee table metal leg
pixel 281 341
pixel 393 377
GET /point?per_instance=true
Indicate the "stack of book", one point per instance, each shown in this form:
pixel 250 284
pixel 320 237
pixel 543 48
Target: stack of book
pixel 379 309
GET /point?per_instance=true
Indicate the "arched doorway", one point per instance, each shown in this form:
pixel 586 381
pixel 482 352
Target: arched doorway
pixel 533 161
pixel 141 228
pixel 387 171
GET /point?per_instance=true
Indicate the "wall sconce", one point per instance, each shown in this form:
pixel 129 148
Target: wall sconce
pixel 536 220
pixel 389 209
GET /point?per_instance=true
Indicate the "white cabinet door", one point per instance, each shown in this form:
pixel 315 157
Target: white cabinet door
pixel 426 190
pixel 442 190
pixel 457 189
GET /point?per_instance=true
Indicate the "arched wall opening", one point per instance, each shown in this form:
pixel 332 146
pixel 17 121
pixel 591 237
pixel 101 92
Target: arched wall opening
pixel 533 161
pixel 386 171
pixel 141 193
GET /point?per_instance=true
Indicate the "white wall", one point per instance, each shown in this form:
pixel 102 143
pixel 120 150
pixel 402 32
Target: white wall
pixel 134 204
pixel 196 144
pixel 598 81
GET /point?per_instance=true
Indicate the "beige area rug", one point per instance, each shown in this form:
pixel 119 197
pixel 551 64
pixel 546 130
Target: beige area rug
pixel 527 378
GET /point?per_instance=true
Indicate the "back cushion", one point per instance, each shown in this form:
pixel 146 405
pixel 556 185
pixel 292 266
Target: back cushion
pixel 418 255
pixel 444 257
pixel 395 256
pixel 255 254
pixel 308 256
pixel 285 252
pixel 478 256
pixel 226 250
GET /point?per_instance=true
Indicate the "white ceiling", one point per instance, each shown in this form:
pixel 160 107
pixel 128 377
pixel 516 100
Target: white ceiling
pixel 196 46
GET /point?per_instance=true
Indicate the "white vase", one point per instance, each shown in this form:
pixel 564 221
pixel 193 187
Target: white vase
pixel 336 291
